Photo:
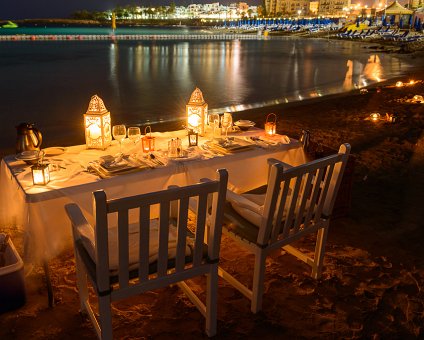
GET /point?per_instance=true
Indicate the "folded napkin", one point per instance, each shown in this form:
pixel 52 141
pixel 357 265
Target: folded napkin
pixel 249 206
pixel 276 139
pixel 113 163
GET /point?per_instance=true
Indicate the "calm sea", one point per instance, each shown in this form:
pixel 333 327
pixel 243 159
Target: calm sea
pixel 50 83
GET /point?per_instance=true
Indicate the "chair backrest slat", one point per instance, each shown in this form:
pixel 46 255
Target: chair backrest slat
pixel 143 250
pixel 271 198
pixel 283 203
pixel 314 197
pixel 305 195
pixel 181 233
pixel 163 238
pixel 293 200
pixel 200 231
pixel 123 248
pixel 324 191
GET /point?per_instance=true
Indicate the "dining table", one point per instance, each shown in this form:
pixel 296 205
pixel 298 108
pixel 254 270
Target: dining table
pixel 126 170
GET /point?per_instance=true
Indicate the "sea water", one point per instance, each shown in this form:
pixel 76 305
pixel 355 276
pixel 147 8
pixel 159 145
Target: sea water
pixel 50 83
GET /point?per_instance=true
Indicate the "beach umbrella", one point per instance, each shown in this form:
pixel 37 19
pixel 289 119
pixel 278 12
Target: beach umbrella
pixel 357 22
pixel 383 20
pixel 401 22
pixel 410 21
pixel 392 20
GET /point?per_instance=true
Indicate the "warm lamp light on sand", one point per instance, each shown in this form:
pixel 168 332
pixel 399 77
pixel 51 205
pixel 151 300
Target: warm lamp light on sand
pixel 271 124
pixel 97 125
pixel 197 111
pixel 399 84
pixel 148 142
pixel 40 174
pixel 375 117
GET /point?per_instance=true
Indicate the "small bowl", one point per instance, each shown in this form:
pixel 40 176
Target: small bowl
pixel 244 125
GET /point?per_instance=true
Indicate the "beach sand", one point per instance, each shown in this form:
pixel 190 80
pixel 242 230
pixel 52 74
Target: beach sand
pixel 373 278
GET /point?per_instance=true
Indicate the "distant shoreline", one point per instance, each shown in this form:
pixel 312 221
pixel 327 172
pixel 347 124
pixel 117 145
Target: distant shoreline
pixel 107 23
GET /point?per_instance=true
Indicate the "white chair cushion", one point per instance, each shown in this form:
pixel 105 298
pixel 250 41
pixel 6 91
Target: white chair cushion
pixel 249 206
pixel 88 240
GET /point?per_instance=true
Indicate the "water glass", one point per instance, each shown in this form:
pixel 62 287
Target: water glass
pixel 134 134
pixel 119 132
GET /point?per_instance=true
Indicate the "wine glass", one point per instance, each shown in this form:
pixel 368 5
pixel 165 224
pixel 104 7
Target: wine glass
pixel 119 132
pixel 134 134
pixel 226 122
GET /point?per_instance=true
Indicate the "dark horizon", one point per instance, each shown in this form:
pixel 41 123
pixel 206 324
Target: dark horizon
pixel 29 9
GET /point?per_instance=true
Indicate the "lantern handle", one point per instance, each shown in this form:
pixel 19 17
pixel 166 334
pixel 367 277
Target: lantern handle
pixel 150 130
pixel 275 117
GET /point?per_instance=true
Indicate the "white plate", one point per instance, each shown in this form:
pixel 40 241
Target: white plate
pixel 28 155
pixel 53 151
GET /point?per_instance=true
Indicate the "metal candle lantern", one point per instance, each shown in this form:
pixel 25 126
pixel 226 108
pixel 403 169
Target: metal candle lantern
pixel 399 84
pixel 271 126
pixel 40 174
pixel 197 111
pixel 97 125
pixel 193 138
pixel 148 142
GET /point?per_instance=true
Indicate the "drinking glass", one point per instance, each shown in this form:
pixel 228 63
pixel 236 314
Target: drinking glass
pixel 213 121
pixel 134 134
pixel 119 132
pixel 226 122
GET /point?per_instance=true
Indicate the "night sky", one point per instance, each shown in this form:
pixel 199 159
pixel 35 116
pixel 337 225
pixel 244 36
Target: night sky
pixel 23 9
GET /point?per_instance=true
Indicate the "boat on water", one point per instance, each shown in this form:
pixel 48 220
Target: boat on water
pixel 10 24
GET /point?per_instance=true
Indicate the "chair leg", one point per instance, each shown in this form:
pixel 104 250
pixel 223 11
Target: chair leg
pixel 82 283
pixel 211 300
pixel 105 316
pixel 319 252
pixel 258 281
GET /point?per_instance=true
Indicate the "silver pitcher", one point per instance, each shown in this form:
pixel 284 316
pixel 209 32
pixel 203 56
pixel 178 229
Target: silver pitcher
pixel 28 138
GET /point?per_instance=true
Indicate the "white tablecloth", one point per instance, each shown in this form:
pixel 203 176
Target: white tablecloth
pixel 39 210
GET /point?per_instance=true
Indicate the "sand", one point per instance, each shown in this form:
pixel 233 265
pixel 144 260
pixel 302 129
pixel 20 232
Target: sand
pixel 373 278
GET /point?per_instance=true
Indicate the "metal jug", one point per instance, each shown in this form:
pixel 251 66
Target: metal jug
pixel 305 139
pixel 29 138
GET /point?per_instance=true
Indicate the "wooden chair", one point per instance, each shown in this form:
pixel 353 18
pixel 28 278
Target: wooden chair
pixel 298 201
pixel 132 258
